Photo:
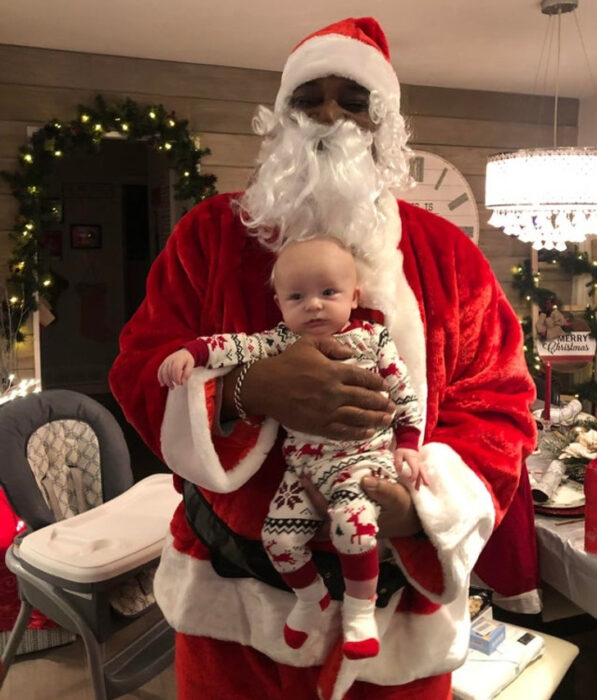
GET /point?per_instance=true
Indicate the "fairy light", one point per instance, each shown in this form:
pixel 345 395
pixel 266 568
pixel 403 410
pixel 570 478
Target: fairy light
pixel 97 127
pixel 57 154
pixel 47 282
pixel 152 114
pixel 171 122
pixel 167 146
pixel 28 157
pixel 124 126
pixel 85 118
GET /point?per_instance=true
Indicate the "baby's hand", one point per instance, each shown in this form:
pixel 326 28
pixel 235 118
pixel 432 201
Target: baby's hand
pixel 176 368
pixel 418 475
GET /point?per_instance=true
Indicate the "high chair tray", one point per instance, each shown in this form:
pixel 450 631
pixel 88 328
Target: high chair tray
pixel 111 539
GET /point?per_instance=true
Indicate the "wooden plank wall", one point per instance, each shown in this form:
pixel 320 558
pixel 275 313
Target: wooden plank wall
pixel 463 126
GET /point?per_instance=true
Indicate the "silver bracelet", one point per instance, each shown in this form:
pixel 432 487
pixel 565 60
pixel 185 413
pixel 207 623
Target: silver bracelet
pixel 238 385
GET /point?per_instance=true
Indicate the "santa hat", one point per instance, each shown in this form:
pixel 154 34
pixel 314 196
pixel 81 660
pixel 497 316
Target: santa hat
pixel 352 48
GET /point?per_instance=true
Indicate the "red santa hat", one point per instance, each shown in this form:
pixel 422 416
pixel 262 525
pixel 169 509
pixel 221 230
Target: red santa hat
pixel 354 48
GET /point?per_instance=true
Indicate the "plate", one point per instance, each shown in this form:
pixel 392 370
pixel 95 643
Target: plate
pixel 569 495
pixel 568 512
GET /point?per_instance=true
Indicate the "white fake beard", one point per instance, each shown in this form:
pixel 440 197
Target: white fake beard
pixel 322 180
pixel 313 179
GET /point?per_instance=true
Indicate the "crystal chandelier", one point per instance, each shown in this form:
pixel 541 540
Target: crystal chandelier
pixel 545 196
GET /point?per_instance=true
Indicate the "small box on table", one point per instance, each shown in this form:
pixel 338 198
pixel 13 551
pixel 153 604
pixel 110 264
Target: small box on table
pixel 486 635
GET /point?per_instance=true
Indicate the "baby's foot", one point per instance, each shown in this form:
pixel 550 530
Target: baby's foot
pixel 361 638
pixel 303 618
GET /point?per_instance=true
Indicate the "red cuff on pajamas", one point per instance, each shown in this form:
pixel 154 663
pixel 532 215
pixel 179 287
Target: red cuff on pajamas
pixel 199 350
pixel 407 436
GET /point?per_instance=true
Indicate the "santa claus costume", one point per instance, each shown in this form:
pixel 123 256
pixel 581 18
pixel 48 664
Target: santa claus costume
pixel 461 342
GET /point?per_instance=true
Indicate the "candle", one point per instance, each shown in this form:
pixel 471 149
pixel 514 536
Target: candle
pixel 547 393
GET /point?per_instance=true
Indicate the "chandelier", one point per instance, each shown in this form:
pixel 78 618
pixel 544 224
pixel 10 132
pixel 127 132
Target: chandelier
pixel 545 196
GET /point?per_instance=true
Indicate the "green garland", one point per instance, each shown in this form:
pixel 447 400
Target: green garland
pixel 575 263
pixel 29 275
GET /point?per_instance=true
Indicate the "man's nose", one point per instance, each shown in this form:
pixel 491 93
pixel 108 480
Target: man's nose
pixel 327 112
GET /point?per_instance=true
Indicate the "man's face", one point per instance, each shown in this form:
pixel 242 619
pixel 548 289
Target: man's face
pixel 326 100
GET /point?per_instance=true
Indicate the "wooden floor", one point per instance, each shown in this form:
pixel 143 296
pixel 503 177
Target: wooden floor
pixel 61 673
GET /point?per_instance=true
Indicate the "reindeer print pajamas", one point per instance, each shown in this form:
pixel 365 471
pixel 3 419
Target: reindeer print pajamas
pixel 334 467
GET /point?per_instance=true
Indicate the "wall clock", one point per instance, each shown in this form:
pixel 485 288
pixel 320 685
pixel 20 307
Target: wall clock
pixel 443 189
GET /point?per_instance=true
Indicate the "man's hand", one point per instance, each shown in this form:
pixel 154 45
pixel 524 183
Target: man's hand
pixel 397 517
pixel 176 368
pixel 305 389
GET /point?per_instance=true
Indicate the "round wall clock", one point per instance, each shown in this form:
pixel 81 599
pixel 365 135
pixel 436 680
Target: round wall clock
pixel 443 189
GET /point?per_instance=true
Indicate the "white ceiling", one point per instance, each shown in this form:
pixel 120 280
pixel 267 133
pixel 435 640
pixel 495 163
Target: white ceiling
pixel 476 44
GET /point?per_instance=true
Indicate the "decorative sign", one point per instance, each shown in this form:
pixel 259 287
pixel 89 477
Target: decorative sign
pixel 564 341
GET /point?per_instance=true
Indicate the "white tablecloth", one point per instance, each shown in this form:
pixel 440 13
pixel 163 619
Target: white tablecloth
pixel 563 562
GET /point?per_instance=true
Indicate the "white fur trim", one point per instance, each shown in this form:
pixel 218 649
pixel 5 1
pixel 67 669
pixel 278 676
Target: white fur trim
pixel 457 514
pixel 335 54
pixel 187 443
pixel 528 602
pixel 404 320
pixel 195 600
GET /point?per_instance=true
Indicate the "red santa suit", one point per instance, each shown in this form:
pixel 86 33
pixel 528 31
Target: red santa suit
pixel 461 343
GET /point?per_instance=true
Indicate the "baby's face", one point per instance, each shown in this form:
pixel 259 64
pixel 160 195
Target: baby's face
pixel 315 283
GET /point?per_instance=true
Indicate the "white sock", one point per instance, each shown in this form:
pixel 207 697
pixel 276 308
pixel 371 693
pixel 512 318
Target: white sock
pixel 311 601
pixel 361 637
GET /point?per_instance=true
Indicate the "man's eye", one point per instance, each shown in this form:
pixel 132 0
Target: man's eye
pixel 303 102
pixel 355 105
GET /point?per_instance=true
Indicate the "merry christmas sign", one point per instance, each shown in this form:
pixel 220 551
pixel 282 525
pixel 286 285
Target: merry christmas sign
pixel 564 340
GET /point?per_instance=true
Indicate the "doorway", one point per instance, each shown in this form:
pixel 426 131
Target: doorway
pixel 115 209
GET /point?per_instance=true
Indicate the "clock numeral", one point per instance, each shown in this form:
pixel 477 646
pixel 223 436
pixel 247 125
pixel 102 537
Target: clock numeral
pixel 440 179
pixel 417 168
pixel 469 230
pixel 461 199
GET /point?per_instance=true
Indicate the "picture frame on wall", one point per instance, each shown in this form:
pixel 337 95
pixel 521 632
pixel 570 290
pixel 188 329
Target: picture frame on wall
pixel 85 236
pixel 50 243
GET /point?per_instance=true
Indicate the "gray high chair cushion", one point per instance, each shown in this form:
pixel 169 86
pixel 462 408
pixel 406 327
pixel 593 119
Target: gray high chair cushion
pixel 22 417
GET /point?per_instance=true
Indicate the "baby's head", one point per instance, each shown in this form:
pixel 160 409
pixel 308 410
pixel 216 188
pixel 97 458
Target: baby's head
pixel 315 283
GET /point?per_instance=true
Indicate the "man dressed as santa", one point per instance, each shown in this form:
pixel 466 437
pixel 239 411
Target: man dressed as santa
pixel 334 150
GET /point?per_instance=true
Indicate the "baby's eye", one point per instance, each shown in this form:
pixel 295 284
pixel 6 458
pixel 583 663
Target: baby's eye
pixel 329 292
pixel 294 297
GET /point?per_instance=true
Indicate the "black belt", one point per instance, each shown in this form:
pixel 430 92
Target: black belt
pixel 233 556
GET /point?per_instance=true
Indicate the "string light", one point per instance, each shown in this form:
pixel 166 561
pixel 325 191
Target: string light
pixel 28 157
pixel 85 118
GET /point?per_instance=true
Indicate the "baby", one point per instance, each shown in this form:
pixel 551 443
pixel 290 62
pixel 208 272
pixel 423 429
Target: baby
pixel 316 289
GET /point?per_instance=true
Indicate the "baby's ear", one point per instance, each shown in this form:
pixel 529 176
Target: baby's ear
pixel 277 300
pixel 356 297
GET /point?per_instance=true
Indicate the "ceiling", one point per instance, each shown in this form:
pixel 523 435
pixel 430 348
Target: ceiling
pixel 475 44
